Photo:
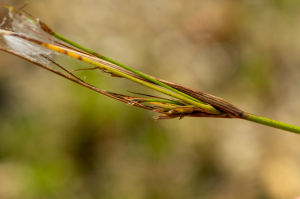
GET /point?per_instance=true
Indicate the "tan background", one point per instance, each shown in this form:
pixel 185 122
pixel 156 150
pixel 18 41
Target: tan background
pixel 60 140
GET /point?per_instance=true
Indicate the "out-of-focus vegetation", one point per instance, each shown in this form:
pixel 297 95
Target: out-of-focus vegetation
pixel 60 140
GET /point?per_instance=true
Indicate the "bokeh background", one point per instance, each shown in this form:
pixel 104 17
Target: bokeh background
pixel 60 140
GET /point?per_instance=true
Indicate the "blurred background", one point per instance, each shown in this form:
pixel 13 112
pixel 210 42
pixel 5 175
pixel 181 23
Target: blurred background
pixel 61 140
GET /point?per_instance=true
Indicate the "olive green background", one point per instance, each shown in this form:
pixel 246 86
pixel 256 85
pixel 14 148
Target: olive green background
pixel 61 140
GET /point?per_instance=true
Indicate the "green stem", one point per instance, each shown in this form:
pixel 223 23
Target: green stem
pixel 177 94
pixel 163 101
pixel 250 117
pixel 272 123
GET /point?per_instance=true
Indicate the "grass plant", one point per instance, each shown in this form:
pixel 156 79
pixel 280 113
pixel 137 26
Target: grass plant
pixel 33 40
